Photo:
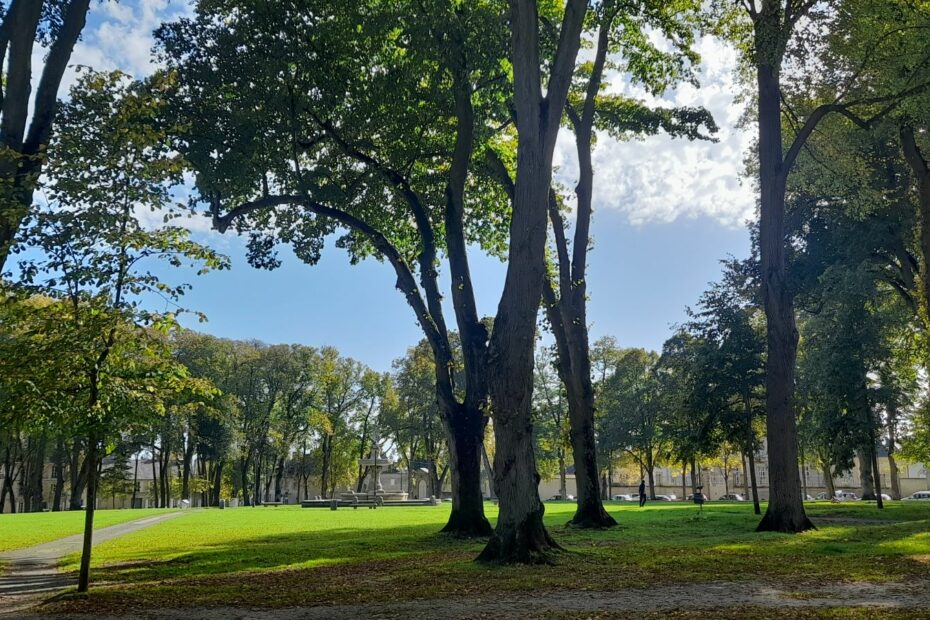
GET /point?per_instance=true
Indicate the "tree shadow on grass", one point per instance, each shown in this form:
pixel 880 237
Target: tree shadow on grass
pixel 354 565
pixel 304 549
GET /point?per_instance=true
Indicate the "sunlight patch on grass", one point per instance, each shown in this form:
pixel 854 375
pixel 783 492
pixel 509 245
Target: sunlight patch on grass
pixel 33 528
pixel 303 555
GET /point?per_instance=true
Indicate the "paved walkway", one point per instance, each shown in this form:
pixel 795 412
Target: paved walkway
pixel 686 600
pixel 34 570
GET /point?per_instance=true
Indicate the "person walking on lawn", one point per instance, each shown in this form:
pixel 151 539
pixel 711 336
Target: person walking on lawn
pixel 642 493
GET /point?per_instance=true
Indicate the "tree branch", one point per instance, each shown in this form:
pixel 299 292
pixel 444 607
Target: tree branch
pixel 406 282
pixel 845 109
pixel 47 93
pixel 428 256
pixel 563 65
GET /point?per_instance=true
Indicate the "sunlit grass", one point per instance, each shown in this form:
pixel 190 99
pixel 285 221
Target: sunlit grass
pixel 27 529
pixel 302 556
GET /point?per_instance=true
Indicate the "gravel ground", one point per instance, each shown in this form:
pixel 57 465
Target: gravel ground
pixel 698 599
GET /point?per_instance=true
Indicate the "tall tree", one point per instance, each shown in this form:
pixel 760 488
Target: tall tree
pixel 333 149
pixel 619 30
pixel 727 360
pixel 520 535
pixel 635 411
pixel 770 42
pixel 91 251
pixel 550 419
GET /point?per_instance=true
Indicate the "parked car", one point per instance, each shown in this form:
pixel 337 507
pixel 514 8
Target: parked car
pixel 919 495
pixel 665 498
pixel 732 497
pixel 626 497
pixel 845 496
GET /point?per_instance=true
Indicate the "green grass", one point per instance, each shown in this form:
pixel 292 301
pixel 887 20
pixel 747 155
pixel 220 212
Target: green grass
pixel 291 556
pixel 27 529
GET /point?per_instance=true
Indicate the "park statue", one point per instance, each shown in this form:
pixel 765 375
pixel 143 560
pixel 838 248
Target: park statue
pixel 375 462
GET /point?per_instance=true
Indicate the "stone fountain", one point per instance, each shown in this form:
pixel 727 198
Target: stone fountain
pixel 374 495
pixel 375 463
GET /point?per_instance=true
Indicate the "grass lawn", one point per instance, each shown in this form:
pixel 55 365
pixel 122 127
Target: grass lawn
pixel 291 556
pixel 27 529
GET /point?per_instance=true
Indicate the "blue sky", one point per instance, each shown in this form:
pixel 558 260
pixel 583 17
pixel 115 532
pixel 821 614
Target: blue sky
pixel 666 212
pixel 641 278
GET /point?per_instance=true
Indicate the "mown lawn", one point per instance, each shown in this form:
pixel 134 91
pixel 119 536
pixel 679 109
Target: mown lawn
pixel 27 529
pixel 291 556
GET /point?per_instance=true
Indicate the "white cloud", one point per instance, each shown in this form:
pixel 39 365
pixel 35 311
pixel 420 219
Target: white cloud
pixel 657 179
pixel 660 179
pixel 119 35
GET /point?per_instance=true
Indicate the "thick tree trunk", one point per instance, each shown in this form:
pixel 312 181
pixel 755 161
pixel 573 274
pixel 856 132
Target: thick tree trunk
pixel 257 497
pixel 464 423
pixel 803 476
pixel 785 511
pixel 435 487
pixel 892 446
pixel 164 473
pixel 23 152
pixel 568 313
pixel 324 469
pixel 269 478
pixel 610 475
pixel 567 318
pixel 520 535
pixel 8 490
pixel 466 442
pixel 590 512
pixel 156 480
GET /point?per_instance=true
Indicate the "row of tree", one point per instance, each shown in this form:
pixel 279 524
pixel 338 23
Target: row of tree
pixel 420 128
pixel 247 415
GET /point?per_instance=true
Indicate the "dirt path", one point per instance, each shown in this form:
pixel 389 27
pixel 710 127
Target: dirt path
pixel 700 600
pixel 34 570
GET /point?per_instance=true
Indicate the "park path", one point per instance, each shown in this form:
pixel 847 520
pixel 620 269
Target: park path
pixel 34 570
pixel 684 600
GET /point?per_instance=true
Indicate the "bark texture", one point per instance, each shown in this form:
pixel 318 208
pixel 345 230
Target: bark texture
pixel 520 535
pixel 567 310
pixel 785 511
